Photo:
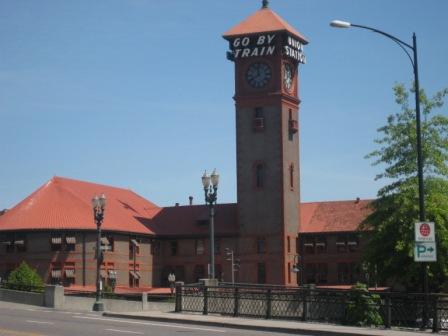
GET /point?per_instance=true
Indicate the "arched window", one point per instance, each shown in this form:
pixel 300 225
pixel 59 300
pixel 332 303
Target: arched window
pixel 259 175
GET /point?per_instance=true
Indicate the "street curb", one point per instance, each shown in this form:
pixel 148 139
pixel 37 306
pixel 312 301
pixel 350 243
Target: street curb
pixel 301 331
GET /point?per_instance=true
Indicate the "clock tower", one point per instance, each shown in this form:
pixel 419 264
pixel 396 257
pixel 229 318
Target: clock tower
pixel 267 52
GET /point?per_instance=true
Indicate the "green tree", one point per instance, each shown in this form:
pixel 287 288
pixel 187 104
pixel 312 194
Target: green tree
pixel 396 209
pixel 24 278
pixel 363 307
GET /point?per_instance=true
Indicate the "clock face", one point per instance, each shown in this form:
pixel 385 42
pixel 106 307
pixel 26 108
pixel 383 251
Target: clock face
pixel 287 76
pixel 258 75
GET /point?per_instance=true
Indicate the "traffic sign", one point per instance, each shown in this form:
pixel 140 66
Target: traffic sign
pixel 425 252
pixel 424 232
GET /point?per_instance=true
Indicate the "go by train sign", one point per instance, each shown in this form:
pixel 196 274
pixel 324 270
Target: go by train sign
pixel 425 249
pixel 266 45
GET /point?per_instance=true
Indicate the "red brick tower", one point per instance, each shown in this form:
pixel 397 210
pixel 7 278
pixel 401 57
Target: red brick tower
pixel 266 51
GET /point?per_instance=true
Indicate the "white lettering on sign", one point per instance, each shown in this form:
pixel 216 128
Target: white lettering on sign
pixel 254 46
pixel 294 49
pixel 258 51
pixel 261 39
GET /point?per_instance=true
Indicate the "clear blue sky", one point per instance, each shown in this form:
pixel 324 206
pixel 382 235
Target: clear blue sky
pixel 138 93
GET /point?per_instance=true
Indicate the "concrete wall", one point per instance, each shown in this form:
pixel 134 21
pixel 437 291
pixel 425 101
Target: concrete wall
pixel 84 303
pixel 8 295
pixel 54 298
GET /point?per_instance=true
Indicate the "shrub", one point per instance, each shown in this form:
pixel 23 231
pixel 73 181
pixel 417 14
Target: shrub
pixel 363 307
pixel 24 278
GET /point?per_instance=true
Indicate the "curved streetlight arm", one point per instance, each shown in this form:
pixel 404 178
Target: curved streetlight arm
pixel 420 158
pixel 401 43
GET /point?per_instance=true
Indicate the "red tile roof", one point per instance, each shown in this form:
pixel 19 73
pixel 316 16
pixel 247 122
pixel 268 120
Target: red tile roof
pixel 188 220
pixel 337 216
pixel 66 204
pixel 263 20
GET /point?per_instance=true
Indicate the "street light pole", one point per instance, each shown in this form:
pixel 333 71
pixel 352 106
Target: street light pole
pixel 210 184
pixel 230 253
pixel 98 205
pixel 421 188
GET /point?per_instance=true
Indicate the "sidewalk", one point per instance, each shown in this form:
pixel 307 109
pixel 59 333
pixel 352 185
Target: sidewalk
pixel 291 327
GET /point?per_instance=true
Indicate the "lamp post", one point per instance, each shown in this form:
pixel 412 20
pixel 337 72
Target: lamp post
pixel 413 58
pixel 98 205
pixel 210 183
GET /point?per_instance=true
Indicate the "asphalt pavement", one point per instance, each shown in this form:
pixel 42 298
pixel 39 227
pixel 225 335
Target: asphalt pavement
pixel 272 325
pixel 23 320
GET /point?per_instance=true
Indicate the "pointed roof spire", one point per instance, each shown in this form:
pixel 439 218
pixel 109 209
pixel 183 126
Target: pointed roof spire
pixel 262 21
pixel 265 4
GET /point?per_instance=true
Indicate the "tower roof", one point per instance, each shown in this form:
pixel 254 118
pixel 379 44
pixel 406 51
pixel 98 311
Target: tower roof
pixel 263 20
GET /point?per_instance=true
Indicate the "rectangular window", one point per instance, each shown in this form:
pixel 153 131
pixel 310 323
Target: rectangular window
pixel 310 273
pixel 259 175
pixel 343 273
pixel 322 272
pixel 289 272
pixel 111 275
pixel 9 242
pixel 155 247
pixel 134 275
pixel 291 176
pixel 261 245
pixel 341 244
pixel 258 122
pixel 261 273
pixel 173 248
pixel 309 245
pixel 352 243
pixel 20 243
pixel 134 247
pixel 55 274
pixel 353 273
pixel 69 273
pixel 199 246
pixel 70 242
pixel 288 239
pixel 321 244
pixel 56 243
pixel 107 242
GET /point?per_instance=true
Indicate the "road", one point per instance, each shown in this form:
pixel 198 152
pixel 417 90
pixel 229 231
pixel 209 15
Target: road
pixel 21 320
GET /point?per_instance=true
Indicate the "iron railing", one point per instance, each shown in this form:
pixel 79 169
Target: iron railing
pixel 311 304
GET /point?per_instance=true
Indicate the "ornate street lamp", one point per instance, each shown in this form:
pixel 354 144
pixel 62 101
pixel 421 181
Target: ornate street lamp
pixel 98 205
pixel 421 193
pixel 210 184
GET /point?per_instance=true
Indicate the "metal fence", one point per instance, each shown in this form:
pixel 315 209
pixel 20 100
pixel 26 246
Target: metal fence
pixel 311 304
